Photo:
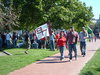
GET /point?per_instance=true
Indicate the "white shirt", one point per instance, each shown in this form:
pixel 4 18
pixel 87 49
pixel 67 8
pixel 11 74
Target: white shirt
pixel 8 36
pixel 82 35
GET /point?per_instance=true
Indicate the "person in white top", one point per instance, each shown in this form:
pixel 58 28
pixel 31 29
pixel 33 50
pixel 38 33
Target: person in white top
pixel 83 37
pixel 8 37
pixel 52 41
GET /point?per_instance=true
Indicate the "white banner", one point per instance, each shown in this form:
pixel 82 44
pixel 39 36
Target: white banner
pixel 42 31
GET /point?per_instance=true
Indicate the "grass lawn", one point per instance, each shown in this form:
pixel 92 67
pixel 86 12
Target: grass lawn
pixel 19 59
pixel 93 66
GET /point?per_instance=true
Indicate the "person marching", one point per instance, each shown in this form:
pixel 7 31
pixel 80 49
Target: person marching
pixel 72 39
pixel 61 44
pixel 82 37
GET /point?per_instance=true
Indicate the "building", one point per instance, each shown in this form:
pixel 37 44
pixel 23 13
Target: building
pixel 97 27
pixel 98 24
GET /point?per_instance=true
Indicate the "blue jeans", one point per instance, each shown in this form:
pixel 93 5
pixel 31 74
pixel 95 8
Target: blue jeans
pixel 61 52
pixel 35 45
pixel 83 47
pixel 8 43
pixel 14 43
pixel 52 45
pixel 72 47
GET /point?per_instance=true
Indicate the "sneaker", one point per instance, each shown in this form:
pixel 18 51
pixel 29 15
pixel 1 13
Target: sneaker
pixel 70 60
pixel 61 59
pixel 84 54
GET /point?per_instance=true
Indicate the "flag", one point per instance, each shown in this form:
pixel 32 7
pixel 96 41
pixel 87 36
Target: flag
pixel 89 30
pixel 42 31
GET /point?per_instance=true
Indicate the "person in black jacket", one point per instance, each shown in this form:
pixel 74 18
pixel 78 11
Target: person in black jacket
pixel 14 39
pixel 27 42
pixel 0 42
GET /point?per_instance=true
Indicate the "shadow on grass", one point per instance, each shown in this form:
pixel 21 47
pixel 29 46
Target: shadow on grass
pixel 20 54
pixel 88 73
pixel 98 69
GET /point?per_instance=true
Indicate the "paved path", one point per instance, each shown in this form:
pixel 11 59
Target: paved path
pixel 53 66
pixel 2 54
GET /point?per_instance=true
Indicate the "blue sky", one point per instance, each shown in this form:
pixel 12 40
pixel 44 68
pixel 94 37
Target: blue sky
pixel 95 5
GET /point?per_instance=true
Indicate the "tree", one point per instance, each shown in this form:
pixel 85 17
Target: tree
pixel 8 17
pixel 61 13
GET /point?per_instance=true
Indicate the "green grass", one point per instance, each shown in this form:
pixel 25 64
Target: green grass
pixel 19 59
pixel 93 66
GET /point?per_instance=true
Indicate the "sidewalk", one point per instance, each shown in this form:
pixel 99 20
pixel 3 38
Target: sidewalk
pixel 53 66
pixel 2 54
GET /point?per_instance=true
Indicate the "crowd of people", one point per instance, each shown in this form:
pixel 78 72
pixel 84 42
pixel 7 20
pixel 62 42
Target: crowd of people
pixel 59 39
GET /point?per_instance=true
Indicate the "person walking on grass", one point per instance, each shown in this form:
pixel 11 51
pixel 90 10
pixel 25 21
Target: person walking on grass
pixel 82 37
pixel 61 44
pixel 27 42
pixel 72 39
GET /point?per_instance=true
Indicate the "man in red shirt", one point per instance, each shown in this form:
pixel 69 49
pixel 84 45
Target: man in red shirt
pixel 43 43
pixel 72 38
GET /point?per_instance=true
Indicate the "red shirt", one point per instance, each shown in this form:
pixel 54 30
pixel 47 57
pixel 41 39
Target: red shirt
pixel 43 38
pixel 61 41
